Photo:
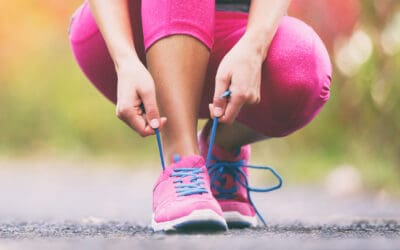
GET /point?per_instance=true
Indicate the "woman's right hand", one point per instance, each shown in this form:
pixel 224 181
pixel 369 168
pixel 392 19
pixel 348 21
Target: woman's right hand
pixel 136 87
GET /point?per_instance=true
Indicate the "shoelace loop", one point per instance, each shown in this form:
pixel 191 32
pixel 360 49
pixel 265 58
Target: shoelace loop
pixel 219 168
pixel 196 185
pixel 218 172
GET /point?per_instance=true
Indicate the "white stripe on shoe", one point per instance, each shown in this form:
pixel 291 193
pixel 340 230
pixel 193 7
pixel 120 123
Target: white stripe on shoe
pixel 198 219
pixel 235 219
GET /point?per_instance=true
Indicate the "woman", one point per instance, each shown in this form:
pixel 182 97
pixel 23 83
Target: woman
pixel 176 58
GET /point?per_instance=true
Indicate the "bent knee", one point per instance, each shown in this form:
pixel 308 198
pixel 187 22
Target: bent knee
pixel 297 55
pixel 297 77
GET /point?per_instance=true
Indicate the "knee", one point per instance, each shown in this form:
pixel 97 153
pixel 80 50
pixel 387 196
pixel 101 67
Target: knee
pixel 171 17
pixel 82 25
pixel 298 72
pixel 91 53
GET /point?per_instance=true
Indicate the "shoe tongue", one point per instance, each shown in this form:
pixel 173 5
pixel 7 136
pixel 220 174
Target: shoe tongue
pixel 177 158
pixel 187 161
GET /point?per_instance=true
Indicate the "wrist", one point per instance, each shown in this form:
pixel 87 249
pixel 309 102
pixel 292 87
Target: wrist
pixel 256 43
pixel 126 62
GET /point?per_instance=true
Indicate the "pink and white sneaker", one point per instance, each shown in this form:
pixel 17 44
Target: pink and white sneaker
pixel 182 199
pixel 225 186
pixel 229 183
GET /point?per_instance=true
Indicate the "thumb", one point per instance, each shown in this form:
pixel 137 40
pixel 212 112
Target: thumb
pixel 222 82
pixel 152 113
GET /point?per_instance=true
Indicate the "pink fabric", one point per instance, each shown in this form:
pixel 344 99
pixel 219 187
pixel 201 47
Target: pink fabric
pixel 168 17
pixel 168 206
pixel 295 76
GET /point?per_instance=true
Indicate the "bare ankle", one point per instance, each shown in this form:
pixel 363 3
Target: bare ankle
pixel 232 137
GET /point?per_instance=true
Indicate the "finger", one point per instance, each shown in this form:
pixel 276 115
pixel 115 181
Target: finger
pixel 236 102
pixel 133 117
pixel 148 97
pixel 163 121
pixel 222 82
pixel 211 108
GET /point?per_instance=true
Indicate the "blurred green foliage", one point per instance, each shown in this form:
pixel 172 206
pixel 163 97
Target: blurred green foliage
pixel 48 108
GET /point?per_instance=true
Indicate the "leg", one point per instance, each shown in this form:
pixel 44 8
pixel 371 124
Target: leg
pixel 231 137
pixel 295 85
pixel 178 64
pixel 178 38
pixel 179 85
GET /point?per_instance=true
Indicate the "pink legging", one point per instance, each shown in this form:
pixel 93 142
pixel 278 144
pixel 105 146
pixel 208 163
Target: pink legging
pixel 296 74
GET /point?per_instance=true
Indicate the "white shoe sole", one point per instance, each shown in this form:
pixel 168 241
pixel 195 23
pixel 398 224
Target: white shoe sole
pixel 205 219
pixel 237 220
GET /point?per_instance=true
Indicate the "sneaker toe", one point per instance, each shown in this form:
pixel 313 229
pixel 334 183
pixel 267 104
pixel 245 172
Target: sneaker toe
pixel 243 208
pixel 180 208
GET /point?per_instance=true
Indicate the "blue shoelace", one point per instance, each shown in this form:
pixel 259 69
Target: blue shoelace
pixel 219 168
pixel 196 185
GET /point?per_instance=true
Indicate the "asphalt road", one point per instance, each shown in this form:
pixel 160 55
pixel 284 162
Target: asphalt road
pixel 71 205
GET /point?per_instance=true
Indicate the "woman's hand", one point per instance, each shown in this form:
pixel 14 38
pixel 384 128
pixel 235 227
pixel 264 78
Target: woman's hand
pixel 135 84
pixel 136 88
pixel 240 72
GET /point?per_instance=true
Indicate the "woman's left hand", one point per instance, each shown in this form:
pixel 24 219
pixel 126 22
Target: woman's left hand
pixel 240 72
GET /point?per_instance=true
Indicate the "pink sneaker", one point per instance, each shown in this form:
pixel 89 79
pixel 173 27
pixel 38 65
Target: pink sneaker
pixel 182 199
pixel 229 185
pixel 225 186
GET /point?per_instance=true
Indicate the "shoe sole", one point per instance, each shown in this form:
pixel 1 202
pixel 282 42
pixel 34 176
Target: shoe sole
pixel 237 220
pixel 199 220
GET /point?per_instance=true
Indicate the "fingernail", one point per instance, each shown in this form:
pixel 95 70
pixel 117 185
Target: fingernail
pixel 217 111
pixel 154 123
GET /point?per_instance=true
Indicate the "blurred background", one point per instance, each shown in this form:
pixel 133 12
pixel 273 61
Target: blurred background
pixel 50 112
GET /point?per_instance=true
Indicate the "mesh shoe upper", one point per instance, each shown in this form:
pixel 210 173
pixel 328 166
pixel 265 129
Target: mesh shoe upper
pixel 182 188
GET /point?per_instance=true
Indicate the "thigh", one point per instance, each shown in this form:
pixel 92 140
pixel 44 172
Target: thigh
pixel 90 50
pixel 295 78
